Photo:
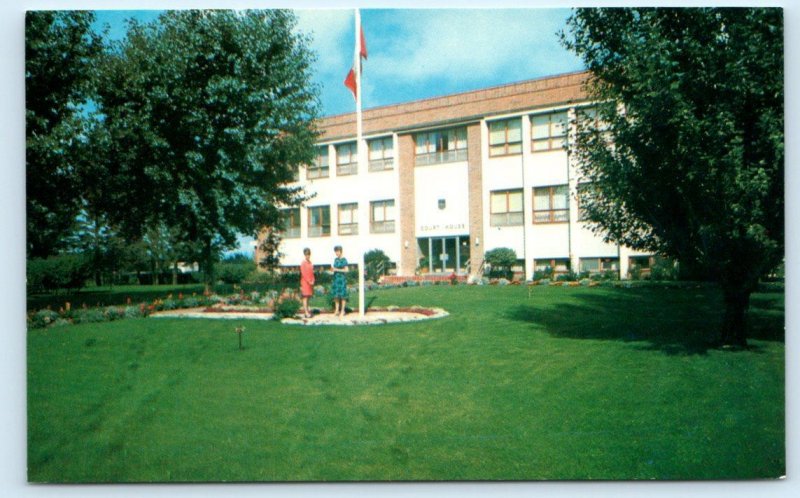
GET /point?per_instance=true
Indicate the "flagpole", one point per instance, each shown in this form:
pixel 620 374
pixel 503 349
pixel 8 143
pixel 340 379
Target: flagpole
pixel 357 65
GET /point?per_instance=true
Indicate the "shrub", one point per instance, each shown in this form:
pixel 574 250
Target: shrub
pixel 43 318
pixel 60 322
pixel 663 269
pixel 133 312
pixel 546 273
pixel 635 272
pixel 169 304
pixel 287 308
pixel 113 313
pixel 90 315
pixel 66 271
pixel 260 278
pixel 191 302
pixel 570 276
pixel 235 271
pixel 501 260
pixel 376 263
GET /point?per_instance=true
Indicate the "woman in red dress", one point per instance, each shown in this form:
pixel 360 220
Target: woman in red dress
pixel 306 281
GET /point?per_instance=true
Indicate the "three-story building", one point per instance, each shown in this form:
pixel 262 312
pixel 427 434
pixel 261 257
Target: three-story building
pixel 438 182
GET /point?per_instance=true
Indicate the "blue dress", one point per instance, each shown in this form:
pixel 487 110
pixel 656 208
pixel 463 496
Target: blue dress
pixel 339 287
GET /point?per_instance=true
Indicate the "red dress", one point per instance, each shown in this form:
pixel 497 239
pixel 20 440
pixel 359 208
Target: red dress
pixel 306 278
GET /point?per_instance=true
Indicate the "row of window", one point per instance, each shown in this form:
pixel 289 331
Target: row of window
pixel 590 265
pixel 548 132
pixel 550 205
pixel 382 219
pixel 381 158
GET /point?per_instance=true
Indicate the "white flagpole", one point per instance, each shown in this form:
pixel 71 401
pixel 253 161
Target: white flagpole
pixel 357 59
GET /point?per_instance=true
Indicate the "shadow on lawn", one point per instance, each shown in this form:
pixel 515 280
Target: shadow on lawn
pixel 676 322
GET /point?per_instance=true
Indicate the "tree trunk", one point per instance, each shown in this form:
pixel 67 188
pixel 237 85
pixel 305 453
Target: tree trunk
pixel 209 266
pixel 175 273
pixel 157 273
pixel 734 325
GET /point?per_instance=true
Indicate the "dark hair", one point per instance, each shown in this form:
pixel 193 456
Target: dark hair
pixel 337 248
pixel 306 251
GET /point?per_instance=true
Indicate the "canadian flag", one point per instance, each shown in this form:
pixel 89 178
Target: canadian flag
pixel 350 80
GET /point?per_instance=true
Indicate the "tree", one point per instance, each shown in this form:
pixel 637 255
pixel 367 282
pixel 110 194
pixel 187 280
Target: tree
pixel 60 51
pixel 376 263
pixel 209 113
pixel 685 155
pixel 501 259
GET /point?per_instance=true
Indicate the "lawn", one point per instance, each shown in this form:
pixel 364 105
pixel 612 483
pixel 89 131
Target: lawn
pixel 569 383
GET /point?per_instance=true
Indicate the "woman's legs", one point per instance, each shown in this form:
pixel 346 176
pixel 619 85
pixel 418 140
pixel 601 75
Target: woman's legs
pixel 305 307
pixel 336 302
pixel 344 306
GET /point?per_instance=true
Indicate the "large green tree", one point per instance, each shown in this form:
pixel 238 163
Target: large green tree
pixel 60 51
pixel 686 154
pixel 208 114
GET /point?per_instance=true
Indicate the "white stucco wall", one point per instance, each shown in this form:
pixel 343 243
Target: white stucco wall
pixel 446 181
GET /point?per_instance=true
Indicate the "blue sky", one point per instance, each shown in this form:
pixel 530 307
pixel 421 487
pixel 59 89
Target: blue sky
pixel 420 53
pixel 416 53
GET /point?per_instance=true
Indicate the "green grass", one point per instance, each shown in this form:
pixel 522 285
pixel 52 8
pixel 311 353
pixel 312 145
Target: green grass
pixel 117 295
pixel 567 384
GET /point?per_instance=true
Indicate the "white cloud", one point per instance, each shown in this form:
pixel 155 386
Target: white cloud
pixel 416 53
pixel 330 31
pixel 472 45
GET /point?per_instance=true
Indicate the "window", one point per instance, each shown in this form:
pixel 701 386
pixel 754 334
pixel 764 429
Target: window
pixel 583 188
pixel 441 146
pixel 320 167
pixel 548 131
pixel 643 262
pixel 319 221
pixel 506 208
pixel 381 154
pixel 348 219
pixel 589 120
pixel 291 223
pixel 639 266
pixel 505 137
pixel 296 173
pixel 598 265
pixel 551 204
pixel 551 265
pixel 346 159
pixel 381 216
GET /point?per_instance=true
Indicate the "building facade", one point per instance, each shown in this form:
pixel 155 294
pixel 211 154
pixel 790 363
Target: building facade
pixel 438 182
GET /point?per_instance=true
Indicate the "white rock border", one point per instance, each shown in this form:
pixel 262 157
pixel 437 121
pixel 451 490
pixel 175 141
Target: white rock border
pixel 379 317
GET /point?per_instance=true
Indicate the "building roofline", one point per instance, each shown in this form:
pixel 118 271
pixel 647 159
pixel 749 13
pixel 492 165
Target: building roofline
pixel 458 94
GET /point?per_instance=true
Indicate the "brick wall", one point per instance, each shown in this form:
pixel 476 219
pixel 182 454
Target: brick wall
pixel 406 215
pixel 475 186
pixel 485 102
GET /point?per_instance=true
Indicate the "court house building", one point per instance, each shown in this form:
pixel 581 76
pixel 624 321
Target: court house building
pixel 438 182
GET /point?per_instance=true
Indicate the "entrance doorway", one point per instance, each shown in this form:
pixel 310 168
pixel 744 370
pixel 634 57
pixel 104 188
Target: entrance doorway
pixel 444 254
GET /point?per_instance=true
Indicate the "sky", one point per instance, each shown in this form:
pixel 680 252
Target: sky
pixel 414 53
pixel 419 53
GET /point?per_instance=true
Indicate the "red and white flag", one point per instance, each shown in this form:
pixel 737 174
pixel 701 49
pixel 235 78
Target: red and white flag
pixel 350 81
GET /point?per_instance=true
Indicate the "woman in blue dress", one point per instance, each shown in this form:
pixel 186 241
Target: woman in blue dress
pixel 339 287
